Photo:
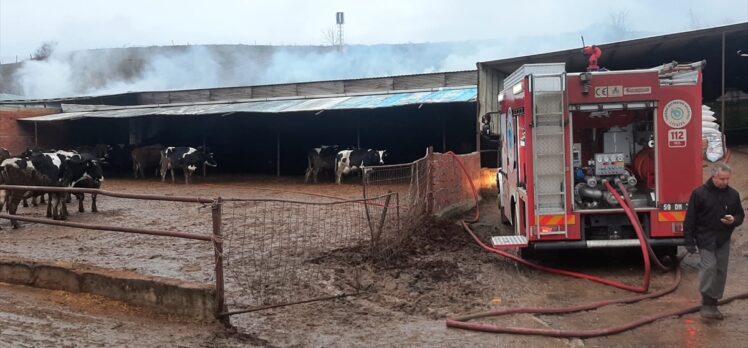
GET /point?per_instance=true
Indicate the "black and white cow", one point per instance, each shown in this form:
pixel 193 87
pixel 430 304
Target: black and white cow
pixel 38 151
pixel 320 159
pixel 349 161
pixel 186 158
pixel 83 173
pixel 37 170
pixel 4 154
pixel 145 159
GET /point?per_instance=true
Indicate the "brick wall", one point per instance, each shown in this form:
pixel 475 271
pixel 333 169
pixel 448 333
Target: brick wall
pixel 18 136
pixel 451 189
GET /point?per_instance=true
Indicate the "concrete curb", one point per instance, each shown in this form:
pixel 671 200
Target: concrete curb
pixel 163 295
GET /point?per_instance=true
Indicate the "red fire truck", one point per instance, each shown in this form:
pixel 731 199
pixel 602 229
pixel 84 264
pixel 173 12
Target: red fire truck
pixel 563 135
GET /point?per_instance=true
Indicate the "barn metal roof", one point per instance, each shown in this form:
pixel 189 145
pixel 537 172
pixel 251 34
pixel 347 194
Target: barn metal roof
pixel 271 105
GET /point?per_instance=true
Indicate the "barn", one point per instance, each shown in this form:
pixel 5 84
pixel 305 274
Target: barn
pixel 268 129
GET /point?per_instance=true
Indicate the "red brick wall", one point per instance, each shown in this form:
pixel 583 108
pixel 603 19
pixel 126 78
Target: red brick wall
pixel 17 136
pixel 451 188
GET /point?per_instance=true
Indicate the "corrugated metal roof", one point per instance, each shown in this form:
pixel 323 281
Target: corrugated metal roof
pixel 441 95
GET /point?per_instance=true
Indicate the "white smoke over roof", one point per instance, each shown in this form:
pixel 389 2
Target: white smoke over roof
pixel 111 71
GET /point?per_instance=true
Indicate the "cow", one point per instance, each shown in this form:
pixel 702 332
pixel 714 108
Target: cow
pixel 38 151
pixel 4 154
pixel 100 152
pixel 120 160
pixel 36 170
pixel 186 158
pixel 320 159
pixel 84 173
pixel 348 161
pixel 146 158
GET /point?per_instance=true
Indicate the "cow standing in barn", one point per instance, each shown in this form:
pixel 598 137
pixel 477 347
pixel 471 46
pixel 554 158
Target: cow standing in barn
pixel 350 161
pixel 320 159
pixel 100 152
pixel 146 158
pixel 186 158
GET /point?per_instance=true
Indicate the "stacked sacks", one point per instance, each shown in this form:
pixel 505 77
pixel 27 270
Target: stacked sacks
pixel 711 134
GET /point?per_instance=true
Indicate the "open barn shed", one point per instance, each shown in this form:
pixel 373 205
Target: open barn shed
pixel 271 135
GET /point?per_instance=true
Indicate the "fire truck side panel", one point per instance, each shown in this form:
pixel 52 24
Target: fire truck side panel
pixel 679 155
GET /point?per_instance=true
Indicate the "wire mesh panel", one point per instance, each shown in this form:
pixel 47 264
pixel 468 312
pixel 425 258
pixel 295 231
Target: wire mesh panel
pixel 410 182
pixel 273 248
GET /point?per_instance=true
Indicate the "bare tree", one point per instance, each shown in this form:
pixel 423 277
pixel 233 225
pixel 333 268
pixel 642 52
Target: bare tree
pixel 330 36
pixel 619 23
pixel 44 51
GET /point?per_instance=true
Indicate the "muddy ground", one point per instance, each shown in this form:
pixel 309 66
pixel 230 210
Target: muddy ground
pixel 440 274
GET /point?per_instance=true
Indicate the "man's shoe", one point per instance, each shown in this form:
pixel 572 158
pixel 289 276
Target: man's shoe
pixel 710 312
pixel 717 314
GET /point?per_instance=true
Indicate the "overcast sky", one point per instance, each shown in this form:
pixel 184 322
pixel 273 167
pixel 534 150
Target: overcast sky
pixel 79 24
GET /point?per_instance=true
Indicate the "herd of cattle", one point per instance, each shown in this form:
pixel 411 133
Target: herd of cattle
pixel 82 168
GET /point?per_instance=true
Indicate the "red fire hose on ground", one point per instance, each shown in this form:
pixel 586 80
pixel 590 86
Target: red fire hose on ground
pixel 461 322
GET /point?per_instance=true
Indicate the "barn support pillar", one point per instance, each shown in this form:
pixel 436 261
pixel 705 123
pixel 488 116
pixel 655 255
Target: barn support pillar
pixel 444 133
pixel 358 131
pixel 278 153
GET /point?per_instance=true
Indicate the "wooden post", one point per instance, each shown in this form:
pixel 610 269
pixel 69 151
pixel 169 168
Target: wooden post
pixel 216 211
pixel 430 180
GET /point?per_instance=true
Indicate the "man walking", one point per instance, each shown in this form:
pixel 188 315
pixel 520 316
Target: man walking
pixel 714 210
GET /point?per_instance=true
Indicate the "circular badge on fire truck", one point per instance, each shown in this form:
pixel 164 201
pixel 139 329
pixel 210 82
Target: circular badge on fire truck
pixel 677 113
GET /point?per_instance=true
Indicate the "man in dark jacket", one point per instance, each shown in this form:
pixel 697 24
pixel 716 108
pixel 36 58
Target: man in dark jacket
pixel 714 211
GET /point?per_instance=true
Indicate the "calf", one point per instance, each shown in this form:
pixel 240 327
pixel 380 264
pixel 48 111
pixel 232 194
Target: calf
pixel 186 158
pixel 145 158
pixel 348 161
pixel 320 159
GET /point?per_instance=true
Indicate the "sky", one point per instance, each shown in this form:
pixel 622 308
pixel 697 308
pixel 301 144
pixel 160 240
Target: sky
pixel 379 37
pixel 81 24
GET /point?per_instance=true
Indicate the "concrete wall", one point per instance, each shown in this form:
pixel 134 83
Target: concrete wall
pixel 164 295
pixel 452 192
pixel 15 136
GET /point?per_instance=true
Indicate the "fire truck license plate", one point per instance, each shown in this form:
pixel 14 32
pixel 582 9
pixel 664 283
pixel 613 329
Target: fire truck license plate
pixel 673 206
pixel 676 138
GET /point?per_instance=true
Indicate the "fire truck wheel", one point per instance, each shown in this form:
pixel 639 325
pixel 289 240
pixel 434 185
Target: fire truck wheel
pixel 663 251
pixel 528 253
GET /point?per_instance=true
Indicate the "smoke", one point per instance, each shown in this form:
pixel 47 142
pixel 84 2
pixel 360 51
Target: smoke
pixel 111 71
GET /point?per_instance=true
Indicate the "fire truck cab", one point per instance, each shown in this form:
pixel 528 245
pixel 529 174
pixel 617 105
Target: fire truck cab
pixel 563 135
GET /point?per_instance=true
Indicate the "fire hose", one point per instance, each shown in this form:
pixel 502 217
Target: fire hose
pixel 648 255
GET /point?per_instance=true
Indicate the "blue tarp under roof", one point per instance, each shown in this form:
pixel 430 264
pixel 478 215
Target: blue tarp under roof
pixel 276 105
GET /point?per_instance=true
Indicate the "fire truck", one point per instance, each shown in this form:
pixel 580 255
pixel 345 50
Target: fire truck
pixel 564 135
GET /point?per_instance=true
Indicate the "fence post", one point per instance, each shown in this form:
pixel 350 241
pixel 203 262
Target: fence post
pixel 429 180
pixel 217 211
